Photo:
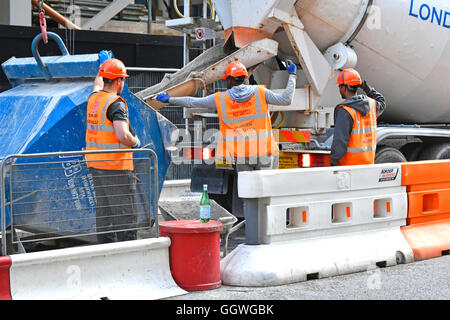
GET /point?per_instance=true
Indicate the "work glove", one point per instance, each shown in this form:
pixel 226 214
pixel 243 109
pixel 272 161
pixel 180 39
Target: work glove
pixel 365 87
pixel 291 67
pixel 163 97
pixel 104 55
pixel 138 144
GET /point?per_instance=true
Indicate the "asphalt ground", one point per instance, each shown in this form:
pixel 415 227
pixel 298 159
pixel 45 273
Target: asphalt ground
pixel 420 280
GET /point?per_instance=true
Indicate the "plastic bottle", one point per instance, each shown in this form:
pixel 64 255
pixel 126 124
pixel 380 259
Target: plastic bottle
pixel 205 206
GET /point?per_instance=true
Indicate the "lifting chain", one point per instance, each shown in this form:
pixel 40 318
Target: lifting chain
pixel 42 21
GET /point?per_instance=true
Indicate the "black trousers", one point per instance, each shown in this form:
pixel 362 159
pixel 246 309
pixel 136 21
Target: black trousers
pixel 116 212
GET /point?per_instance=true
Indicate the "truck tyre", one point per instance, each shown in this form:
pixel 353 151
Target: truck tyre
pixel 388 154
pixel 411 151
pixel 436 151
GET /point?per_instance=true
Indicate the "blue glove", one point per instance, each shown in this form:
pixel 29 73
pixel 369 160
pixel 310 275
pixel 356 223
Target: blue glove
pixel 163 97
pixel 138 145
pixel 291 67
pixel 104 55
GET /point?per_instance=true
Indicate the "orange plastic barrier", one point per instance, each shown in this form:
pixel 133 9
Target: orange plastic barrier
pixel 428 187
pixel 428 222
pixel 428 240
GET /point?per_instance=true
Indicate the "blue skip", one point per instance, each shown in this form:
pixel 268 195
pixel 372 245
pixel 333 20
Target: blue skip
pixel 44 112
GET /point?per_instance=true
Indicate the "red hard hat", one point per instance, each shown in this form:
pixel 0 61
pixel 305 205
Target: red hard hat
pixel 113 69
pixel 235 69
pixel 349 77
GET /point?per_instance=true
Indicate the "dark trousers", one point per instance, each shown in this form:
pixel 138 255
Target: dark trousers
pixel 115 192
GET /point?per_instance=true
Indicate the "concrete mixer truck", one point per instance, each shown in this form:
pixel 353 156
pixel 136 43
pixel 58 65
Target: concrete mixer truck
pixel 401 47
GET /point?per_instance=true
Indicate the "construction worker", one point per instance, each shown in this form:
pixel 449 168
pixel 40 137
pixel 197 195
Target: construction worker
pixel 246 140
pixel 108 127
pixel 354 140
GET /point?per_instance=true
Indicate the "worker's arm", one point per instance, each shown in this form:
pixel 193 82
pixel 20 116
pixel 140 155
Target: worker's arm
pixel 378 97
pixel 342 129
pixel 102 57
pixel 98 84
pixel 118 113
pixel 285 98
pixel 191 102
pixel 124 135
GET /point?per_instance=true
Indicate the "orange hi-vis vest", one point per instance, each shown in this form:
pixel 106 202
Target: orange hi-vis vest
pixel 245 127
pixel 363 138
pixel 100 135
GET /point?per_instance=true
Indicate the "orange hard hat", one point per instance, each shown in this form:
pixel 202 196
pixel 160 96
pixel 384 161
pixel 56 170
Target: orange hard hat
pixel 349 77
pixel 235 69
pixel 113 69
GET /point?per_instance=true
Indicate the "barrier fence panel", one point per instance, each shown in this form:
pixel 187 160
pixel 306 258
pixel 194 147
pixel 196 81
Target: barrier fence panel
pixel 55 196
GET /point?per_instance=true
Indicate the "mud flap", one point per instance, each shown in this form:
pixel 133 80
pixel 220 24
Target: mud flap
pixel 216 179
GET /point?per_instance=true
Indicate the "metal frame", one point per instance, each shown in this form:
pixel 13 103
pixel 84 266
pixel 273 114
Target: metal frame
pixel 9 160
pixel 106 14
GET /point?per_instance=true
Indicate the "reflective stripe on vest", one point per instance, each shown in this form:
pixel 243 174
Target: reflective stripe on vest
pixel 362 144
pixel 248 137
pixel 101 135
pixel 245 127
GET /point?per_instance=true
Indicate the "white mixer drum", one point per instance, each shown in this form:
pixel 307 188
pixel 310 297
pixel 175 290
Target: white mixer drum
pixel 403 50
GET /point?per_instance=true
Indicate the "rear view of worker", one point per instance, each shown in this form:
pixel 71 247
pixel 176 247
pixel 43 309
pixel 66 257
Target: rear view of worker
pixel 354 140
pixel 108 127
pixel 246 139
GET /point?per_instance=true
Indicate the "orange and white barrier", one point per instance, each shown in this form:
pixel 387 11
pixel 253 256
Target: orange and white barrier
pixel 320 222
pixel 428 221
pixel 136 269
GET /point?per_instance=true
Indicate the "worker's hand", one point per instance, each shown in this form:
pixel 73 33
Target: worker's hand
pixel 138 144
pixel 104 55
pixel 163 97
pixel 291 67
pixel 366 88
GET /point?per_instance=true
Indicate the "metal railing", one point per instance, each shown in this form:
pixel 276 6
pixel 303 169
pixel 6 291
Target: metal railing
pixel 55 196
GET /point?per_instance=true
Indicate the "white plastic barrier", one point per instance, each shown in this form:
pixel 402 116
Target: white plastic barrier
pixel 136 269
pixel 320 222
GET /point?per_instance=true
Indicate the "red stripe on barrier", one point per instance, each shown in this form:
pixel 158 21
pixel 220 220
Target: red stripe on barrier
pixel 5 289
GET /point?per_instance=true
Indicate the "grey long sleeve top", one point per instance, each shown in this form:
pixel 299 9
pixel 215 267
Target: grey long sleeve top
pixel 240 93
pixel 344 121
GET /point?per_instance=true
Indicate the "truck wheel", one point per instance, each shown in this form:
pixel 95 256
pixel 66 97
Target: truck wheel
pixel 411 151
pixel 436 151
pixel 388 154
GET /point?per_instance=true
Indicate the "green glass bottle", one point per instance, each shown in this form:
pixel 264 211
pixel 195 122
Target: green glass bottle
pixel 205 206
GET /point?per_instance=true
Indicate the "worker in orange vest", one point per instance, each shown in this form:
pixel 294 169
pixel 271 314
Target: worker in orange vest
pixel 108 127
pixel 354 139
pixel 246 139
